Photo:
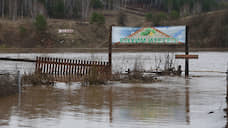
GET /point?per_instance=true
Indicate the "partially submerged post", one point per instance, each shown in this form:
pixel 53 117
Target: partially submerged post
pixel 19 87
pixel 227 85
pixel 19 81
pixel 187 56
pixel 186 53
pixel 110 52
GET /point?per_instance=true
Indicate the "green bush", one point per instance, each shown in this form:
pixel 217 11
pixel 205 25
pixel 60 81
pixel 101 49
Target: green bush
pixel 40 23
pixel 174 14
pixel 149 17
pixel 97 18
pixel 3 46
pixel 22 29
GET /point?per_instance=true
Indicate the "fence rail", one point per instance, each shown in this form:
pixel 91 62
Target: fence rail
pixel 70 68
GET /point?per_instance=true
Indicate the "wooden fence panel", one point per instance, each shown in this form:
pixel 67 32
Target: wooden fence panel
pixel 69 69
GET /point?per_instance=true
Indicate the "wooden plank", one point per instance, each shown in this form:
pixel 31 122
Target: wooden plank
pixel 64 66
pixel 36 68
pixel 38 64
pixel 84 71
pixel 41 65
pixel 187 56
pixel 22 60
pixel 75 68
pixel 53 65
pixel 70 66
pixel 44 64
pixel 50 65
pixel 83 66
pixel 87 67
pixel 56 66
pixel 67 66
pixel 61 66
pixel 79 67
pixel 90 67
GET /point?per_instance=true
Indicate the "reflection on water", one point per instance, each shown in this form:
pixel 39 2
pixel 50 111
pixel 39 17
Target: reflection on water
pixel 187 101
pixel 165 104
pixel 175 102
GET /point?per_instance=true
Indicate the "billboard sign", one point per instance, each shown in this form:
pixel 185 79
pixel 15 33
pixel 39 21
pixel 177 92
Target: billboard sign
pixel 149 35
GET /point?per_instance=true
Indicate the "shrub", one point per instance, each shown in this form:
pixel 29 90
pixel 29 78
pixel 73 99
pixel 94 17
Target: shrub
pixel 40 23
pixel 3 46
pixel 149 17
pixel 97 18
pixel 174 14
pixel 22 29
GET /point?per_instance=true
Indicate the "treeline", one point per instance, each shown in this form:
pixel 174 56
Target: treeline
pixel 15 9
pixel 183 7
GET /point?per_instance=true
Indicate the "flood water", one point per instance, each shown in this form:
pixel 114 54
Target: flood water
pixel 175 102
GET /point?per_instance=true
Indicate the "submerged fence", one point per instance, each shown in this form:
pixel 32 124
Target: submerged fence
pixel 65 69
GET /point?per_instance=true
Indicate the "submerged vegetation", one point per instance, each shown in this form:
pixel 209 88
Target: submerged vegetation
pixel 37 79
pixel 95 77
pixel 8 84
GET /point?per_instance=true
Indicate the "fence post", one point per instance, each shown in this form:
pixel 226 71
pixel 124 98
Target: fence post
pixel 19 81
pixel 186 53
pixel 75 68
pixel 37 61
pixel 110 52
pixel 227 85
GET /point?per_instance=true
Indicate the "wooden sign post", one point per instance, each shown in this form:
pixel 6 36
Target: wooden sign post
pixel 110 52
pixel 187 56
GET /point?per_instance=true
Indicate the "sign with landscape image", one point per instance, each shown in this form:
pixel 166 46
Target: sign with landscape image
pixel 149 35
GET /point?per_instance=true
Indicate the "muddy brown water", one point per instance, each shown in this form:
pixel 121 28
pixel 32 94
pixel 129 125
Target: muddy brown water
pixel 175 102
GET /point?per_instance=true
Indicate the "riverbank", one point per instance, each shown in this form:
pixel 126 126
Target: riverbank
pixel 206 30
pixel 96 50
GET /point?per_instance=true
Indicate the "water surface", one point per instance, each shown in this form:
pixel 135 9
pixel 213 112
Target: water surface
pixel 175 102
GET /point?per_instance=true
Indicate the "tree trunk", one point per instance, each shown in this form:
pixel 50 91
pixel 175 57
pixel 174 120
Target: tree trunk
pixel 3 8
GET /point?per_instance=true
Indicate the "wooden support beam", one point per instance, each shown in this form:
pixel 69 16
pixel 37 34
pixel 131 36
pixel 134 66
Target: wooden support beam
pixel 22 60
pixel 187 56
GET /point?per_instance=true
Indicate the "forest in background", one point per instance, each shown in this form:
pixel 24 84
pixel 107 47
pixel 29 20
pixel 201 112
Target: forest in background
pixel 80 9
pixel 35 23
